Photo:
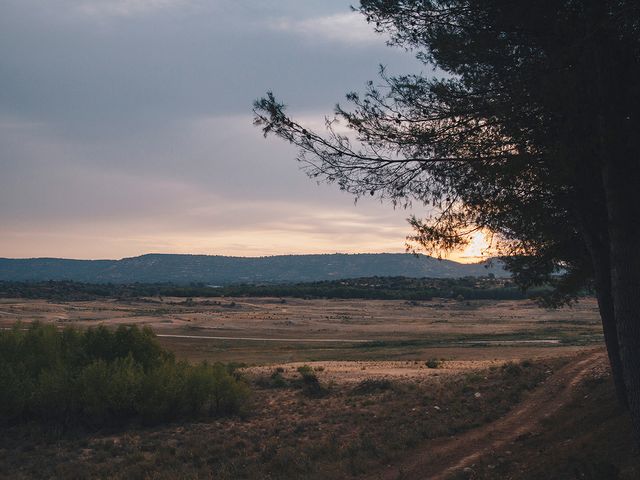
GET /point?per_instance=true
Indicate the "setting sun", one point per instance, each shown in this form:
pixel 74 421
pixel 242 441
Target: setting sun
pixel 478 249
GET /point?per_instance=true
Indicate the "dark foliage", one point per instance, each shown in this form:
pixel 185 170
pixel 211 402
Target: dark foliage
pixel 311 386
pixel 508 141
pixel 220 270
pixel 100 377
pixel 532 135
pixel 380 288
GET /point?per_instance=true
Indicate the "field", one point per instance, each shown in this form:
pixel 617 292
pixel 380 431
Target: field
pixel 448 387
pixel 272 330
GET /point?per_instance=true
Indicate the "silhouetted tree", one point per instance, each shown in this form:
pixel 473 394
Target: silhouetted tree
pixel 532 132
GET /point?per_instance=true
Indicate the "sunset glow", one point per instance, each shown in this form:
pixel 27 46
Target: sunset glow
pixel 477 250
pixel 134 132
pixel 169 161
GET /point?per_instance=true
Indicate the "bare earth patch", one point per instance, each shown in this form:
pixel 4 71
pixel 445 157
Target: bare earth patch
pixel 357 371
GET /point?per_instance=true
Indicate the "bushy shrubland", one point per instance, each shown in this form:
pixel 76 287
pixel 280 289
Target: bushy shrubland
pixel 100 377
pixel 382 288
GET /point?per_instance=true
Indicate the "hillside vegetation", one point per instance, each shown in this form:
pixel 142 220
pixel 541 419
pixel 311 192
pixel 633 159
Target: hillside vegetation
pixel 220 270
pixel 380 288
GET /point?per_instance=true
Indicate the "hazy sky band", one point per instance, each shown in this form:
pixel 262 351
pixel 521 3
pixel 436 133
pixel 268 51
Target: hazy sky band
pixel 125 127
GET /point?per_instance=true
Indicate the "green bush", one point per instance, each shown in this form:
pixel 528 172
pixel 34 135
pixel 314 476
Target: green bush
pixel 100 377
pixel 311 386
pixel 275 380
pixel 432 363
pixel 512 369
pixel 306 372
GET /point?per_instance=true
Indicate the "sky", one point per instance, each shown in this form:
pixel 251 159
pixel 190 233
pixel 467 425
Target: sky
pixel 126 128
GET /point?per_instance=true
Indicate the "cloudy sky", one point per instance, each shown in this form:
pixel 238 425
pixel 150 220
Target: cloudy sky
pixel 126 127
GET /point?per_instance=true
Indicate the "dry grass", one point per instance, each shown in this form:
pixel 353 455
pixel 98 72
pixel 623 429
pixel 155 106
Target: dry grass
pixel 382 400
pixel 396 330
pixel 589 438
pixel 353 429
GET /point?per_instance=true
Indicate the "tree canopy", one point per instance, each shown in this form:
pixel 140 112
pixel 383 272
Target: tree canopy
pixel 529 133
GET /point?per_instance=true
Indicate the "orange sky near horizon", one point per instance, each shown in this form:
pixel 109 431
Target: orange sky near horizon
pixel 87 244
pixel 147 160
pixel 477 250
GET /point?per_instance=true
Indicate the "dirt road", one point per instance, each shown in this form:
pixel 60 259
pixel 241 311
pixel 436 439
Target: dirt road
pixel 268 339
pixel 442 458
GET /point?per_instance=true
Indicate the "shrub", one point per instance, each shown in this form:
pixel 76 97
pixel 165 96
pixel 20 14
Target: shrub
pixel 310 383
pixel 306 372
pixel 512 369
pixel 432 363
pixel 101 377
pixel 275 380
pixel 15 388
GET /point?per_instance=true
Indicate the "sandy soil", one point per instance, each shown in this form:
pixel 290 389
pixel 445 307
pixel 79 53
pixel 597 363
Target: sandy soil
pixel 343 373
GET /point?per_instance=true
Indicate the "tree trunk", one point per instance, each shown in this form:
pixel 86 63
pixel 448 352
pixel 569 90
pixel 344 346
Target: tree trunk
pixel 622 180
pixel 610 330
pixel 596 238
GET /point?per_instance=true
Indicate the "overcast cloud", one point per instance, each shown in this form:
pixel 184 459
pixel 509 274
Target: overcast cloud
pixel 125 127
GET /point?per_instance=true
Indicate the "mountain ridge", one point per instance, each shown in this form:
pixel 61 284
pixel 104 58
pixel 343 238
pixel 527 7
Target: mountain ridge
pixel 224 270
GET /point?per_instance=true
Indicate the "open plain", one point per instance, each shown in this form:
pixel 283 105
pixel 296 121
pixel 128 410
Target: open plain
pixel 441 389
pixel 258 331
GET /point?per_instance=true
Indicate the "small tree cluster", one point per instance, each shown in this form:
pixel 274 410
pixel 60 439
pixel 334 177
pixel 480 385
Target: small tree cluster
pixel 99 377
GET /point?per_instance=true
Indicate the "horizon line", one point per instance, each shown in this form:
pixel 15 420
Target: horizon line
pixel 479 259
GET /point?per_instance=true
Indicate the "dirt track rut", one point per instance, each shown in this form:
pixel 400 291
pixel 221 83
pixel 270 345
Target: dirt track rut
pixel 442 457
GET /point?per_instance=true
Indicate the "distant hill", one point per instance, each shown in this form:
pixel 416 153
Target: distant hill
pixel 220 270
